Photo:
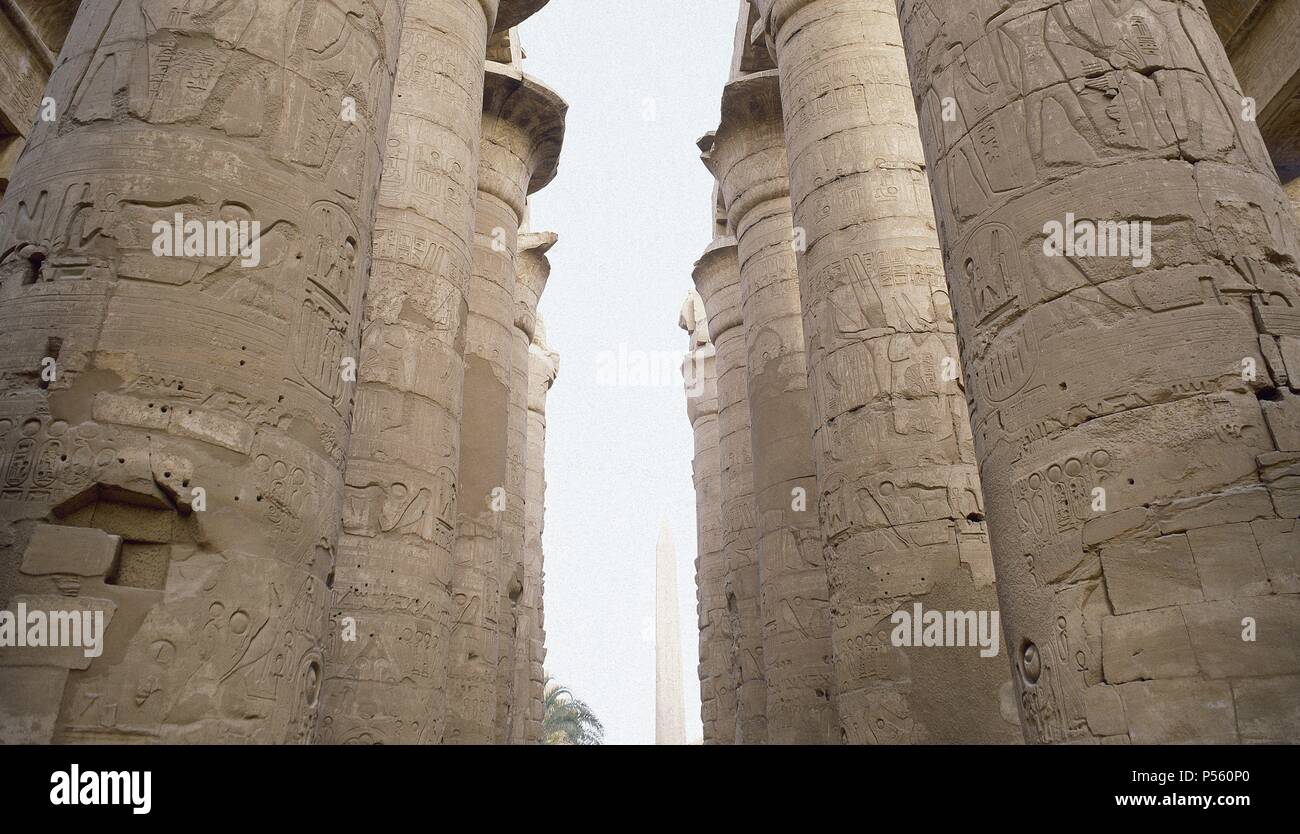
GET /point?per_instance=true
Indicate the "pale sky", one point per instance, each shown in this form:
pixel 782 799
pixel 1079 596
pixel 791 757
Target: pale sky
pixel 631 205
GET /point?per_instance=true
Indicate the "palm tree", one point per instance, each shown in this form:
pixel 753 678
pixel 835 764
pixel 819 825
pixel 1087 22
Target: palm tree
pixel 567 720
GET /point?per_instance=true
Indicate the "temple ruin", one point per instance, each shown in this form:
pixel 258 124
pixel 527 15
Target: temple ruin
pixel 993 370
pixel 1101 447
pixel 302 479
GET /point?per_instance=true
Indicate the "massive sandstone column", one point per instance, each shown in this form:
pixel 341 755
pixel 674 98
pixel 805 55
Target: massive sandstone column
pixel 523 127
pixel 748 158
pixel 532 271
pixel 181 464
pixel 742 688
pixel 394 566
pixel 1137 441
pixel 900 503
pixel 699 370
pixel 543 366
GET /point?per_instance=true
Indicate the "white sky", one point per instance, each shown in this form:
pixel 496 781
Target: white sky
pixel 632 208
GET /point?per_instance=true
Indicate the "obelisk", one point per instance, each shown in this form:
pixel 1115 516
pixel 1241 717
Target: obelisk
pixel 670 714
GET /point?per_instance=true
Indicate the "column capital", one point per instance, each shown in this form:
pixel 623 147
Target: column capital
pixel 774 14
pixel 748 102
pixel 694 319
pixel 748 156
pixel 514 12
pixel 699 365
pixel 543 368
pixel 717 279
pixel 532 273
pixel 526 117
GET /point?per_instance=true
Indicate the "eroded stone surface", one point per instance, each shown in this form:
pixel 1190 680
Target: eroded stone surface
pixel 699 371
pixel 394 568
pixel 742 686
pixel 543 368
pixel 523 127
pixel 749 160
pixel 210 417
pixel 198 411
pixel 901 507
pixel 533 269
pixel 1114 384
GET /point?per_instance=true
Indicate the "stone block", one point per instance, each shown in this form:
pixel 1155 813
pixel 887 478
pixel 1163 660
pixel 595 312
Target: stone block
pixel 1228 561
pixel 76 550
pixel 134 522
pixel 1273 359
pixel 65 639
pixel 28 713
pixel 1151 574
pixel 1268 709
pixel 1179 711
pixel 1209 511
pixel 1145 645
pixel 1283 419
pixel 1280 472
pixel 1290 347
pixel 1216 631
pixel 1279 546
pixel 1106 527
pixel 130 411
pixel 1105 711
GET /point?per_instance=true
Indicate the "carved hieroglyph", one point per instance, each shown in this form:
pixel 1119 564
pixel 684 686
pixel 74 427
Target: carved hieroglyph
pixel 1136 425
pixel 699 371
pixel 198 379
pixel 543 366
pixel 748 158
pixel 533 269
pixel 523 127
pixel 388 685
pixel 741 687
pixel 900 503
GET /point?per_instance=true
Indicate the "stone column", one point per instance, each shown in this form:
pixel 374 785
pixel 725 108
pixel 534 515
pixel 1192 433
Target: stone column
pixel 900 503
pixel 388 685
pixel 742 690
pixel 1138 444
pixel 543 366
pixel 699 372
pixel 749 160
pixel 523 127
pixel 185 251
pixel 533 269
